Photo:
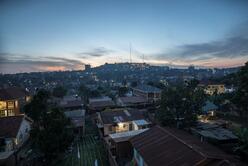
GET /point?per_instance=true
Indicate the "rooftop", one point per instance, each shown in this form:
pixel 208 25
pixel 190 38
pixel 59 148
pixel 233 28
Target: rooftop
pixel 120 115
pixel 101 104
pixel 214 132
pixel 12 93
pixel 9 126
pixel 209 106
pixel 75 113
pixel 168 146
pixel 140 122
pixel 148 88
pixel 133 99
pixel 124 136
pixel 100 99
pixel 71 103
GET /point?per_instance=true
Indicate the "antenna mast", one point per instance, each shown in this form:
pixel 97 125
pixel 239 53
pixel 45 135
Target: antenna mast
pixel 130 52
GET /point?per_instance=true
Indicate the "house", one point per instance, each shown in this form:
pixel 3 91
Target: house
pixel 71 103
pixel 209 109
pixel 132 101
pixel 14 132
pixel 214 133
pixel 100 103
pixel 117 127
pixel 121 120
pixel 12 100
pixel 150 93
pixel 211 89
pixel 169 146
pixel 77 118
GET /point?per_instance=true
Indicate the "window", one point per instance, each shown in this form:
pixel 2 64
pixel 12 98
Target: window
pixel 3 113
pixel 2 105
pixel 11 113
pixel 10 105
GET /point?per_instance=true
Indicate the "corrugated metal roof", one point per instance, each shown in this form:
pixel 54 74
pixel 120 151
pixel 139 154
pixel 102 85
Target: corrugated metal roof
pixel 160 146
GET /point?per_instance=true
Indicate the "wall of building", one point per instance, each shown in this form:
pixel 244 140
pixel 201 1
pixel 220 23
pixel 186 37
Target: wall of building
pixel 211 89
pixel 121 127
pixel 138 158
pixel 23 133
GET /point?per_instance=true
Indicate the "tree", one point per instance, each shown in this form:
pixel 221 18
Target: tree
pixel 84 92
pixel 241 95
pixel 38 105
pixel 242 148
pixel 53 136
pixel 134 83
pixel 181 105
pixel 59 92
pixel 50 134
pixel 122 91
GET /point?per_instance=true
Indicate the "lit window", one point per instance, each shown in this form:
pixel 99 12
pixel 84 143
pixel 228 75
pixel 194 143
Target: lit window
pixel 11 113
pixel 10 105
pixel 2 105
pixel 3 113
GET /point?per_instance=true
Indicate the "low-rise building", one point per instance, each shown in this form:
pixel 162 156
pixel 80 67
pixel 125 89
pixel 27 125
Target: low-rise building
pixel 211 89
pixel 117 127
pixel 14 132
pixel 12 100
pixel 71 103
pixel 121 120
pixel 209 109
pixel 150 93
pixel 77 118
pixel 132 101
pixel 214 133
pixel 169 146
pixel 100 103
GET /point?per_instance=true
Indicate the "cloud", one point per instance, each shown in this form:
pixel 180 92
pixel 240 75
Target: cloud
pixel 10 62
pixel 233 46
pixel 96 52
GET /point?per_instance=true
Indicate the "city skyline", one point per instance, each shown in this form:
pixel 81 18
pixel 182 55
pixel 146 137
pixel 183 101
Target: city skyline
pixel 63 35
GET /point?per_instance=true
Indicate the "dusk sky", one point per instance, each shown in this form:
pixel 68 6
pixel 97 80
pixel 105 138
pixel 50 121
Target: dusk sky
pixel 65 34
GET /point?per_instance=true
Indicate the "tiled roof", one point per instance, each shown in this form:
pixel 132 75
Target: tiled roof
pixel 166 146
pixel 12 93
pixel 110 116
pixel 9 126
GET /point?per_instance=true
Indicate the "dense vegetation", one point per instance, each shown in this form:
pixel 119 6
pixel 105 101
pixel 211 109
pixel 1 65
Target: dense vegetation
pixel 180 105
pixel 50 134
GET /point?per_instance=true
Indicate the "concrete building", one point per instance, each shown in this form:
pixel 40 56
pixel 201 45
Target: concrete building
pixel 214 88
